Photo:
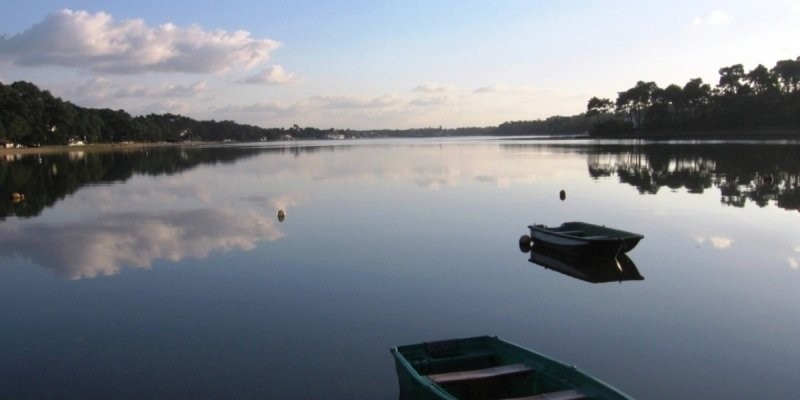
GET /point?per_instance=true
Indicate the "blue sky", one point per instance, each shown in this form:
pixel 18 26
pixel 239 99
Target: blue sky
pixel 390 64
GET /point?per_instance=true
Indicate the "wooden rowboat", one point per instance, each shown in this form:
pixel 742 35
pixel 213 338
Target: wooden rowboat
pixel 582 237
pixel 487 367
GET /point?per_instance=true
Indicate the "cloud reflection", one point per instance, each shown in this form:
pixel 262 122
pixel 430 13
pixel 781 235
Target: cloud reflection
pixel 719 242
pixel 104 246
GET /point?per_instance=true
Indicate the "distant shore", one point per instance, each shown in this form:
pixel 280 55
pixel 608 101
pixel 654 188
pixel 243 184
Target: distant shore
pixel 759 134
pixel 92 147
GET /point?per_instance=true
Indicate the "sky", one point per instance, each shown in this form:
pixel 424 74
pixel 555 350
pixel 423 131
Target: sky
pixel 363 64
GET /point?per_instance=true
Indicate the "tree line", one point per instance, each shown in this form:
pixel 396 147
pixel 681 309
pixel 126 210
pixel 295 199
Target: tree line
pixel 31 117
pixel 758 98
pixel 555 125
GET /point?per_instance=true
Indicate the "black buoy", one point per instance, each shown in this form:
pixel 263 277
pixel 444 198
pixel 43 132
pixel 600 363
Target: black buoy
pixel 281 215
pixel 562 195
pixel 524 243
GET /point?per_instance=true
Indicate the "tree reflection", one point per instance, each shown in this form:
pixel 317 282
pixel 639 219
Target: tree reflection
pixel 760 173
pixel 44 179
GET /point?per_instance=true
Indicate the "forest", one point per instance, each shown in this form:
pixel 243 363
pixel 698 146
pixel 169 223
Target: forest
pixel 758 99
pixel 33 117
pixel 761 99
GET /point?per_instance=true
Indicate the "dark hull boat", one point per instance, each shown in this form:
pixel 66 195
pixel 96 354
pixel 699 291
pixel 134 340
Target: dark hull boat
pixel 585 238
pixel 487 367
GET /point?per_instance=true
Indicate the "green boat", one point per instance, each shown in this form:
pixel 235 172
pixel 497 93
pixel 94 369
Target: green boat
pixel 487 367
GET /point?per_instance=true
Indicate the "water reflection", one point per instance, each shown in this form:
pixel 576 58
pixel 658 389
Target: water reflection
pixel 585 268
pixel 103 246
pixel 45 179
pixel 759 173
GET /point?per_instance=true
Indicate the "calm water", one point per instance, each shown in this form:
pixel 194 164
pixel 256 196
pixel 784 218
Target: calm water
pixel 166 273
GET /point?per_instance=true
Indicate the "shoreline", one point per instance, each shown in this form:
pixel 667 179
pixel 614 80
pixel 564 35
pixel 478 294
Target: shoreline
pixel 93 147
pixel 766 134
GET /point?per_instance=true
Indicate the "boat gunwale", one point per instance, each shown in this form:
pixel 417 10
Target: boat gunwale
pixel 566 374
pixel 600 238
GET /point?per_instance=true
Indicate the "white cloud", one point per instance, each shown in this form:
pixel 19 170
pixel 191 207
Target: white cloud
pixel 270 108
pixel 104 246
pixel 166 90
pixel 433 100
pixel 165 106
pixel 81 39
pixel 100 90
pixel 717 17
pixel 273 75
pixel 719 242
pixel 794 8
pixel 505 88
pixel 496 88
pixel 433 88
pixel 350 102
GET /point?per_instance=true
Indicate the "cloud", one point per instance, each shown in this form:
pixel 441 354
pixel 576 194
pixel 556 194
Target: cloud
pixel 432 100
pixel 104 246
pixel 496 88
pixel 433 88
pixel 167 90
pixel 100 90
pixel 274 75
pixel 165 106
pixel 719 242
pixel 505 88
pixel 350 102
pixel 794 8
pixel 81 39
pixel 715 18
pixel 268 108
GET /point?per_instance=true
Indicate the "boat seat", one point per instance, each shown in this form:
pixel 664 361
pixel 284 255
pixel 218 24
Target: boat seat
pixel 560 395
pixel 477 374
pixel 433 365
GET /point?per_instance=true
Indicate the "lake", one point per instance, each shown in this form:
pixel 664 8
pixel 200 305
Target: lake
pixel 166 273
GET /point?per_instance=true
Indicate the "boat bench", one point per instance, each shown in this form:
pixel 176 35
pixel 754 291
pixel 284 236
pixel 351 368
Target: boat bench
pixel 478 374
pixel 561 395
pixel 434 364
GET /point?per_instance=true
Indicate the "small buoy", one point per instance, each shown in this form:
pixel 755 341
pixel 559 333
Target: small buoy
pixel 562 195
pixel 17 197
pixel 767 179
pixel 524 243
pixel 281 215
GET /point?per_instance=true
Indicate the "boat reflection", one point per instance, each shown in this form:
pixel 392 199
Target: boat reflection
pixel 586 268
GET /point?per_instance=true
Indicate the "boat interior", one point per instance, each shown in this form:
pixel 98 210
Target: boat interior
pixel 471 372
